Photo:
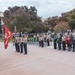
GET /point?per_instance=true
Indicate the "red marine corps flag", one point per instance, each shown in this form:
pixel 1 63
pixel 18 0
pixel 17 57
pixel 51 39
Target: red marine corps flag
pixel 8 36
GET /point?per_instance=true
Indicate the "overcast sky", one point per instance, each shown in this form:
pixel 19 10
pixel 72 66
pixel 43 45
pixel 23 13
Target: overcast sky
pixel 45 8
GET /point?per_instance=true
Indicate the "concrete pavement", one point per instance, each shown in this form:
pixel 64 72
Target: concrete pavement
pixel 38 61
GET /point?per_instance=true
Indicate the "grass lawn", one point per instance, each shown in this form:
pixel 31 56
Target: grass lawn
pixel 2 39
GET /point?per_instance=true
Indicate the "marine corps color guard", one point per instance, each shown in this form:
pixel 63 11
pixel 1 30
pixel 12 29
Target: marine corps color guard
pixel 21 44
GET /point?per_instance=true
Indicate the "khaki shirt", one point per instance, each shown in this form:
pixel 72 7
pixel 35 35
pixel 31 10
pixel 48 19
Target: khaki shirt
pixel 42 38
pixel 48 37
pixel 37 35
pixel 25 40
pixel 21 39
pixel 63 38
pixel 16 39
pixel 45 36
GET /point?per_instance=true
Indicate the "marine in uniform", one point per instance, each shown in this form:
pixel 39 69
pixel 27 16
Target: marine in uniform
pixel 64 42
pixel 39 41
pixel 25 44
pixel 48 40
pixel 59 38
pixel 55 42
pixel 34 38
pixel 42 41
pixel 45 37
pixel 15 43
pixel 37 37
pixel 21 44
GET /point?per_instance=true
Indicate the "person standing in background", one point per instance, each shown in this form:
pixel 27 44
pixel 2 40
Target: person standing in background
pixel 73 35
pixel 69 42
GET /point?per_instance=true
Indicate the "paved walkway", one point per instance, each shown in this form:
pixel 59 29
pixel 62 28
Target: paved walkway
pixel 38 61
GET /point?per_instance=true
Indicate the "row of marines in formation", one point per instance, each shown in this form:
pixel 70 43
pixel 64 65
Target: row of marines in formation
pixel 65 41
pixel 20 43
pixel 60 40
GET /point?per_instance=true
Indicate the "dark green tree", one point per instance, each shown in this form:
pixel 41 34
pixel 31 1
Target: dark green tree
pixel 71 19
pixel 72 24
pixel 24 18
